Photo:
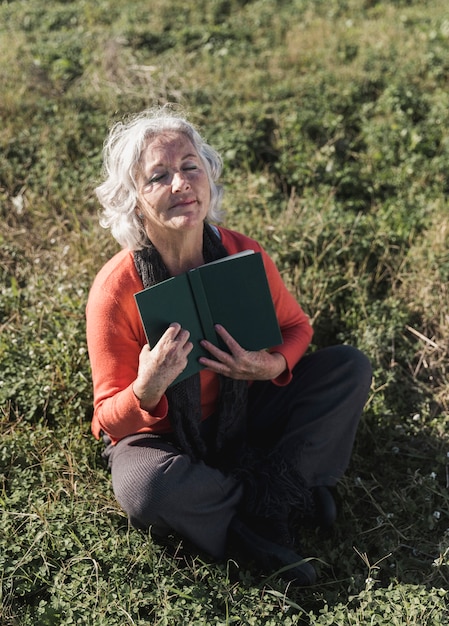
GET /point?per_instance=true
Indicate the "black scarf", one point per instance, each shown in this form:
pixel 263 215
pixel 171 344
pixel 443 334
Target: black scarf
pixel 184 398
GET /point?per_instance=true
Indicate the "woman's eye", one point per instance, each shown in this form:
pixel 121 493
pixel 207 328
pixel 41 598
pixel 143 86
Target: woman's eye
pixel 156 178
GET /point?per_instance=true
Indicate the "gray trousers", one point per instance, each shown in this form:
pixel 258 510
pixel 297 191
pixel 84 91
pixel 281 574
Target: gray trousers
pixel 314 419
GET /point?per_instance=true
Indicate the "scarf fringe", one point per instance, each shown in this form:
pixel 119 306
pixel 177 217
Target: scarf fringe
pixel 273 485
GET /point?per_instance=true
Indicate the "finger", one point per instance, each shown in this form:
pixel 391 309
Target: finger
pixel 229 340
pixel 175 332
pixel 172 330
pixel 217 353
pixel 188 347
pixel 215 366
pixel 182 337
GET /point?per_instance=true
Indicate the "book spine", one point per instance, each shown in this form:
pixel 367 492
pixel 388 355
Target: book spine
pixel 202 305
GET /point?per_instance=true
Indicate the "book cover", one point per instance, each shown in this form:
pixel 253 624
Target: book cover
pixel 232 291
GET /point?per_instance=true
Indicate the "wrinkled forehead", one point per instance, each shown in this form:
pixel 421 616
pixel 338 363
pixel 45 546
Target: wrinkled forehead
pixel 167 146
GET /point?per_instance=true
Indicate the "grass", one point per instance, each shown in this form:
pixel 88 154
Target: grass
pixel 333 121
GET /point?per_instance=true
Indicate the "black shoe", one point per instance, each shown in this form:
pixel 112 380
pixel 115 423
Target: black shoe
pixel 325 507
pixel 270 555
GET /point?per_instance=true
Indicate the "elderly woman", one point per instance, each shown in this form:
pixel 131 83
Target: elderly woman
pixel 243 452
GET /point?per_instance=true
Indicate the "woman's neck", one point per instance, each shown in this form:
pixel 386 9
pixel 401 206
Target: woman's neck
pixel 182 252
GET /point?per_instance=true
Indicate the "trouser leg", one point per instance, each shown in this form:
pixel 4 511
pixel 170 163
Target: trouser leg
pixel 158 486
pixel 313 420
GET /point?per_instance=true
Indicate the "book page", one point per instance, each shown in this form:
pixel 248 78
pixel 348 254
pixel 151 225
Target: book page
pixel 226 258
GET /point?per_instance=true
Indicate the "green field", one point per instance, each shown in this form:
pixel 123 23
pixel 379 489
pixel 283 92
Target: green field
pixel 333 121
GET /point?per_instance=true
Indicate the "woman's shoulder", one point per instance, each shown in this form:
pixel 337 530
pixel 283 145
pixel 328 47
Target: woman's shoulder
pixel 235 241
pixel 118 274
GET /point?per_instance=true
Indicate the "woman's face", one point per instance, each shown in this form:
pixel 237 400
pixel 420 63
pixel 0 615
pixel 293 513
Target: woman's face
pixel 173 188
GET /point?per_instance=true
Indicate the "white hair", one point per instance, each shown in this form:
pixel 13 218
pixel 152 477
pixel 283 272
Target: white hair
pixel 121 158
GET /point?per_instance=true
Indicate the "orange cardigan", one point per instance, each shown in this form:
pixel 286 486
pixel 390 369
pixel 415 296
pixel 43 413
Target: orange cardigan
pixel 115 338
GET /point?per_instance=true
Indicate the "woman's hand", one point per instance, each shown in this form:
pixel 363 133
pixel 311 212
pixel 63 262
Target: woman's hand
pixel 241 364
pixel 159 366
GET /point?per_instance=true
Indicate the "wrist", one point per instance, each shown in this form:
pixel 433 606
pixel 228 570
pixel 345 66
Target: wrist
pixel 148 402
pixel 279 365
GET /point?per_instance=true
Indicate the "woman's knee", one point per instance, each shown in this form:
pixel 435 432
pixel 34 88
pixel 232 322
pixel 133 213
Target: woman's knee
pixel 353 374
pixel 138 481
pixel 335 362
pixel 135 496
pixel 357 360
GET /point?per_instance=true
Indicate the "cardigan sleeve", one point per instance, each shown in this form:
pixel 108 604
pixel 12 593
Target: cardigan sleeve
pixel 115 339
pixel 295 326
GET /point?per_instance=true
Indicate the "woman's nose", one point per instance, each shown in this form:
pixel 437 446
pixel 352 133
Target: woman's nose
pixel 179 181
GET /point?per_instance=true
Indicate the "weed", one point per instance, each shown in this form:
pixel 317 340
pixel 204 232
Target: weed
pixel 332 119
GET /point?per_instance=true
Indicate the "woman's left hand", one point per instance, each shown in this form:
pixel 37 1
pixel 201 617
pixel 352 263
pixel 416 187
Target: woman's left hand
pixel 242 364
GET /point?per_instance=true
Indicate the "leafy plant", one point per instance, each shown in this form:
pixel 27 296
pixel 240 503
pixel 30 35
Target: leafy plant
pixel 331 118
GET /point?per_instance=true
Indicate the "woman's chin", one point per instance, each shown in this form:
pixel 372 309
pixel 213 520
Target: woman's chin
pixel 187 222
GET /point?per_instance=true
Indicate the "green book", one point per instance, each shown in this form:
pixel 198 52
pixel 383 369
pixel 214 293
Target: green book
pixel 232 291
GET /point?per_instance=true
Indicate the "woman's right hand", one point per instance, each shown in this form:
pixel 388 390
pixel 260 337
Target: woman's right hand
pixel 159 366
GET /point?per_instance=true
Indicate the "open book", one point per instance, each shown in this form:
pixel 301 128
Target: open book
pixel 232 291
